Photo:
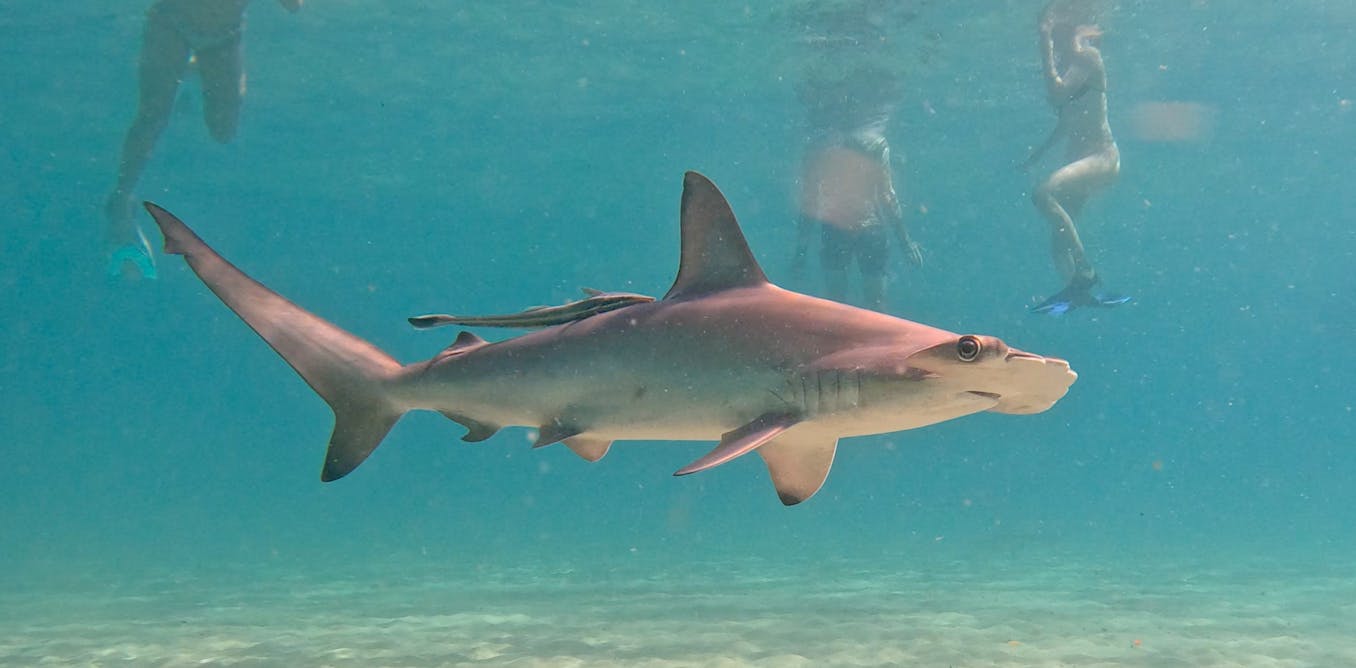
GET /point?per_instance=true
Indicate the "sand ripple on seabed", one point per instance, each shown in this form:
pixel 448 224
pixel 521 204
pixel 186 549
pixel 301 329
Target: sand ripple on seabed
pixel 1056 612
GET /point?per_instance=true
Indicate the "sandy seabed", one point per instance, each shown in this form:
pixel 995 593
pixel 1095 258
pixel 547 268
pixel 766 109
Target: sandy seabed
pixel 1065 610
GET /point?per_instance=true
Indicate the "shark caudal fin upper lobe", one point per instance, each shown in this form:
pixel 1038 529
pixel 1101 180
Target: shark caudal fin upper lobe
pixel 352 375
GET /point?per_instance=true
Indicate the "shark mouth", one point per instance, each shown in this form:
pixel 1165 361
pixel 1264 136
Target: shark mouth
pixel 987 395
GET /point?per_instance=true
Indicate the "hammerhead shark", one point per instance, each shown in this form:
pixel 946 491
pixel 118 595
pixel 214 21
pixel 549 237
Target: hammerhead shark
pixel 724 356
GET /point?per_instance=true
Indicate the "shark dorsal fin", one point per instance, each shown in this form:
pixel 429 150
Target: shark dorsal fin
pixel 715 255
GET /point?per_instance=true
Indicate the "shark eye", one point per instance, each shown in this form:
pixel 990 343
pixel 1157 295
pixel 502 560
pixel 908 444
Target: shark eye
pixel 968 348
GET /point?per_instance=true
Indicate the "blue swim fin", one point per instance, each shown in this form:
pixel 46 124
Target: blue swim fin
pixel 1078 294
pixel 137 254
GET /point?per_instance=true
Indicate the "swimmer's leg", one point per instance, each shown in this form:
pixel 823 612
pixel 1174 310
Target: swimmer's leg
pixel 836 284
pixel 872 248
pixel 164 59
pixel 835 252
pixel 1066 248
pixel 873 292
pixel 1062 197
pixel 222 68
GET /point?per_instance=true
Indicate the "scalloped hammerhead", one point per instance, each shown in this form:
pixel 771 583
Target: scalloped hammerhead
pixel 725 355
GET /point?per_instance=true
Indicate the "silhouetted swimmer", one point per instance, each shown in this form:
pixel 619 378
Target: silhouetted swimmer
pixel 847 184
pixel 178 34
pixel 1076 85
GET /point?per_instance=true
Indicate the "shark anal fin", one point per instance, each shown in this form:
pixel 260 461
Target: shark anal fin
pixel 798 464
pixel 589 448
pixel 741 441
pixel 476 431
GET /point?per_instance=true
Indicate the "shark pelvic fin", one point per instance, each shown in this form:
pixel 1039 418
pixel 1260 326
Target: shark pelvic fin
pixel 741 441
pixel 555 431
pixel 798 464
pixel 715 255
pixel 476 431
pixel 587 447
pixel 590 448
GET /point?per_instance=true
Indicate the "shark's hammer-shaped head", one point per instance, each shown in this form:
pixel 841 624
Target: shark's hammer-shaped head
pixel 971 367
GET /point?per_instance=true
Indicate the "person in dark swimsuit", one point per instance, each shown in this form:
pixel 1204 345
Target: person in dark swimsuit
pixel 1076 85
pixel 179 33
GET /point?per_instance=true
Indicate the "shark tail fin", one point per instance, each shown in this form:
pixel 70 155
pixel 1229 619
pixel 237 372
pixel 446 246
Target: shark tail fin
pixel 350 374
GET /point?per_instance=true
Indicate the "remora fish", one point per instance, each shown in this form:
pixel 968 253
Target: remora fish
pixel 725 355
pixel 596 302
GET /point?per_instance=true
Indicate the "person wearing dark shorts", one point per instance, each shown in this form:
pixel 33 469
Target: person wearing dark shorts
pixel 846 184
pixel 839 247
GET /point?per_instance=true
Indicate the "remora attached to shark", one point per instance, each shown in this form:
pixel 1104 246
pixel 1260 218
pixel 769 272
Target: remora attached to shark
pixel 725 355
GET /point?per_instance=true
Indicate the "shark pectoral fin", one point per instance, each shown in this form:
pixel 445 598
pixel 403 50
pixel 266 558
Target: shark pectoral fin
pixel 476 431
pixel 589 448
pixel 741 441
pixel 798 464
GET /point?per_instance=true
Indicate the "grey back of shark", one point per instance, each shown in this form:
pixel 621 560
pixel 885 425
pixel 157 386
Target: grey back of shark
pixel 725 356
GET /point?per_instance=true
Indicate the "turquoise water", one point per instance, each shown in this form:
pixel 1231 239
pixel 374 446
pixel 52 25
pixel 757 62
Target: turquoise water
pixel 160 502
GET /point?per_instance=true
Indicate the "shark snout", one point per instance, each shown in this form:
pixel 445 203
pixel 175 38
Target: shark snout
pixel 1031 383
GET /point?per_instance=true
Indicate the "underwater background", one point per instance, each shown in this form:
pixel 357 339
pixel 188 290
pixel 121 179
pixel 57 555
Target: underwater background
pixel 1189 502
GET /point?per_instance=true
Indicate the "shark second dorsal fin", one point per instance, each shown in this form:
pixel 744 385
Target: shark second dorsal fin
pixel 465 343
pixel 714 254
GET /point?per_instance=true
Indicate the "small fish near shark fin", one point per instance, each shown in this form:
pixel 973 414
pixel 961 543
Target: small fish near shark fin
pixel 432 320
pixel 715 255
pixel 798 464
pixel 742 441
